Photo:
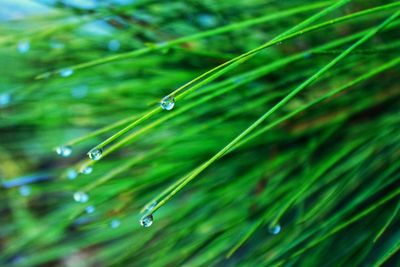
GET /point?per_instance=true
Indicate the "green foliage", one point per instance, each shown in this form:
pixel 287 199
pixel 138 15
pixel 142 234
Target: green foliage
pixel 282 147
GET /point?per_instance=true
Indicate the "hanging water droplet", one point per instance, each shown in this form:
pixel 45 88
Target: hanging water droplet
pixel 71 174
pixel 66 72
pixel 23 47
pixel 114 45
pixel 25 190
pixel 115 223
pixel 275 229
pixel 87 170
pixel 5 99
pixel 167 103
pixel 64 151
pixel 81 197
pixel 95 154
pixel 90 209
pixel 147 220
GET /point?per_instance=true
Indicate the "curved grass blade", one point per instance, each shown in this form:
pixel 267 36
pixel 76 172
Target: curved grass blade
pixel 291 95
pixel 229 65
pixel 388 222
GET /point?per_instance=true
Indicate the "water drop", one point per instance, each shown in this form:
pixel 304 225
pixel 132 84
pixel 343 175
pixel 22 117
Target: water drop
pixel 79 91
pixel 71 174
pixel 147 220
pixel 5 99
pixel 64 151
pixel 23 47
pixel 90 209
pixel 167 103
pixel 57 45
pixel 81 197
pixel 87 170
pixel 114 45
pixel 115 223
pixel 275 229
pixel 25 190
pixel 207 20
pixel 95 154
pixel 66 72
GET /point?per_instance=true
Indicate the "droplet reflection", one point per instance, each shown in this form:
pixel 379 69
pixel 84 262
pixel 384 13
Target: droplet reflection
pixel 167 103
pixel 147 220
pixel 64 151
pixel 95 154
pixel 275 229
pixel 81 197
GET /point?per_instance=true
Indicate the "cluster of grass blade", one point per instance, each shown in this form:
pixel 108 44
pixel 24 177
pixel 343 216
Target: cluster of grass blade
pixel 282 147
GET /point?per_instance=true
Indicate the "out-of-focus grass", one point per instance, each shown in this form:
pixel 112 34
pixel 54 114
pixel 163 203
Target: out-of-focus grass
pixel 282 148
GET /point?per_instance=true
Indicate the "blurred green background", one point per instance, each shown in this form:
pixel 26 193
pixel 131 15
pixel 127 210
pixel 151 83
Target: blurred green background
pixel 239 133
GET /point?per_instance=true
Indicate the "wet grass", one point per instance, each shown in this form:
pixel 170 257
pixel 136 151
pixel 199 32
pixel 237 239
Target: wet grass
pixel 277 143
